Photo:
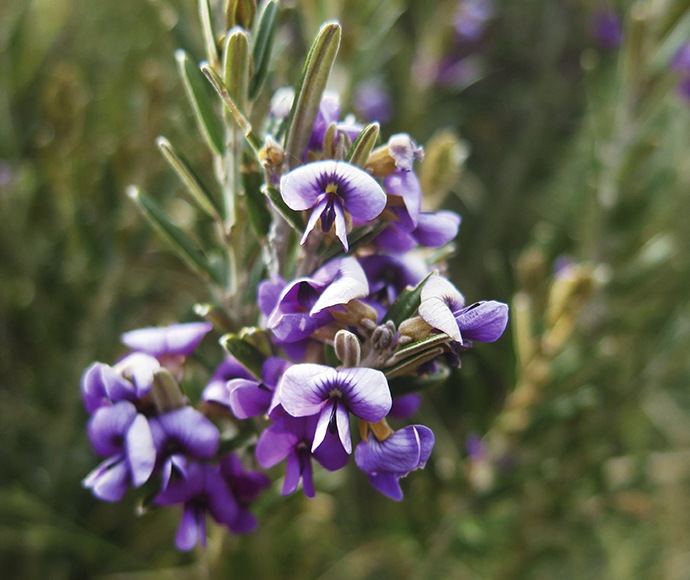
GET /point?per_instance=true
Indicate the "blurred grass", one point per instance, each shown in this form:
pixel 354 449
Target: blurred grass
pixel 573 153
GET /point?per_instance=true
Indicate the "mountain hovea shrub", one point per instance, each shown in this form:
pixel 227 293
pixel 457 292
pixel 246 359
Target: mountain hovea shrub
pixel 330 297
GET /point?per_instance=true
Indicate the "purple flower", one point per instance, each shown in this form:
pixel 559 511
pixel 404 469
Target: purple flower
pixel 443 307
pixel 405 184
pixel 202 489
pixel 404 151
pixel 177 339
pixel 606 28
pixel 129 380
pixel 329 111
pixel 181 434
pixel 293 437
pixel 229 369
pixel 302 306
pixel 248 397
pixel 405 406
pixel 471 18
pixel 432 230
pixel 311 389
pixel 388 275
pixel 373 100
pixel 246 487
pixel 681 64
pixel 335 190
pixel 387 461
pixel 124 436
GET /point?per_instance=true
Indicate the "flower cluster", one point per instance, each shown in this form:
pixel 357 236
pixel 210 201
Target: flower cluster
pixel 352 319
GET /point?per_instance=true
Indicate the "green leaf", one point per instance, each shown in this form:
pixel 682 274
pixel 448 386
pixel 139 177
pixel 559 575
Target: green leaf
pixel 292 217
pixel 241 119
pixel 194 256
pixel 403 385
pixel 410 365
pixel 195 88
pixel 421 345
pixel 263 45
pixel 364 143
pixel 245 352
pixel 236 66
pixel 406 303
pixel 317 69
pixel 207 31
pixel 259 214
pixel 193 184
pixel 670 45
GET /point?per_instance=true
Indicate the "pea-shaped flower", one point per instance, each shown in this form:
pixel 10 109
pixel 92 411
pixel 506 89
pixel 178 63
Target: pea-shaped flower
pixel 312 389
pixel 335 190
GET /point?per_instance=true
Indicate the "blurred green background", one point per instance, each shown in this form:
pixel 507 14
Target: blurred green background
pixel 575 150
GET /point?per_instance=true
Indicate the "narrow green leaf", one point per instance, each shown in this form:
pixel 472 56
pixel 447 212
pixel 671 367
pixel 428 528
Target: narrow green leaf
pixel 293 217
pixel 364 143
pixel 193 184
pixel 405 384
pixel 670 45
pixel 406 304
pixel 194 256
pixel 230 103
pixel 317 69
pixel 420 345
pixel 410 365
pixel 245 352
pixel 259 214
pixel 236 65
pixel 195 88
pixel 207 31
pixel 263 45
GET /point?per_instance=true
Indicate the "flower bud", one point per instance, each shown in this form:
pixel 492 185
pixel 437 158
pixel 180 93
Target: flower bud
pixel 167 395
pixel 398 154
pixel 348 348
pixel 271 154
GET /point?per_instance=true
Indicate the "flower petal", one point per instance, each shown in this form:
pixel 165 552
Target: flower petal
pixel 191 431
pixel 175 339
pixel 110 480
pixel 108 426
pixel 483 321
pixel 249 398
pixel 388 484
pixel 304 388
pixel 365 392
pixel 436 229
pixel 349 283
pixel 400 453
pixel 188 532
pixel 141 452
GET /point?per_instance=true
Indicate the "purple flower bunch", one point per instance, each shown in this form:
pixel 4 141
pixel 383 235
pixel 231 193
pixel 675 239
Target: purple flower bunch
pixel 352 317
pixel 145 428
pixel 367 322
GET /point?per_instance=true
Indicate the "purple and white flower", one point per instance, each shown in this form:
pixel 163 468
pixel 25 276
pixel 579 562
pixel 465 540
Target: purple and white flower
pixel 182 434
pixel 202 489
pixel 443 307
pixel 334 191
pixel 124 436
pixel 248 397
pixel 387 461
pixel 312 389
pixel 177 339
pixel 129 380
pixel 292 438
pixel 302 306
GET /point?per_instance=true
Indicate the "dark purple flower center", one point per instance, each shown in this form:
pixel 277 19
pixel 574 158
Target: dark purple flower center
pixel 306 296
pixel 328 214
